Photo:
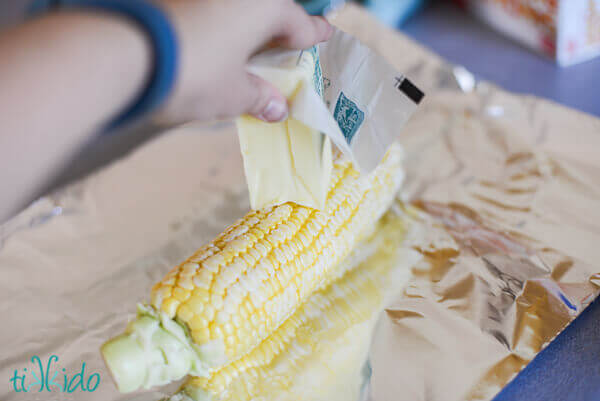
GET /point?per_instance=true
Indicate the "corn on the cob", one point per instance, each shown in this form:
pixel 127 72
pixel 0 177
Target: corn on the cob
pixel 302 348
pixel 232 293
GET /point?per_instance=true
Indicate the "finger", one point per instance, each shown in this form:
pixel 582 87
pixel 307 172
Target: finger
pixel 261 99
pixel 298 30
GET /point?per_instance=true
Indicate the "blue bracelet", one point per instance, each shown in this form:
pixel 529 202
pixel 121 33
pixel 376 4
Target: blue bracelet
pixel 157 25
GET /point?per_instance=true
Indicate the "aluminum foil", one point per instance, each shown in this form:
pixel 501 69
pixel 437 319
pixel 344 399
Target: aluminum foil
pixel 508 189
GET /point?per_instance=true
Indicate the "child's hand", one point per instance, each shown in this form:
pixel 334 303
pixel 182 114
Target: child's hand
pixel 67 74
pixel 217 37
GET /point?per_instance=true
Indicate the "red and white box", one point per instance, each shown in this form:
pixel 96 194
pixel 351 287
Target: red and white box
pixel 566 30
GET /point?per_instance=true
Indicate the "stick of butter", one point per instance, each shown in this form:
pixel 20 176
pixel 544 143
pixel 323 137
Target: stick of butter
pixel 286 161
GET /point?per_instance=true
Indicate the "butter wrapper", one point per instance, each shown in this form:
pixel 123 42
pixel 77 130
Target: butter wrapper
pixel 364 100
pixel 368 99
pixel 339 91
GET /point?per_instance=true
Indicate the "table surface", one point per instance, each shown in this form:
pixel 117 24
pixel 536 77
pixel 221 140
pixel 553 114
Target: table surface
pixel 461 39
pixel 569 368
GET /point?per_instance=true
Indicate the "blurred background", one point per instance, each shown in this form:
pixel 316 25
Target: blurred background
pixel 547 48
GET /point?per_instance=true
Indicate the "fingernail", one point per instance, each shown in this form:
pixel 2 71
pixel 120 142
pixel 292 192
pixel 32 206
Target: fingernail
pixel 275 111
pixel 328 29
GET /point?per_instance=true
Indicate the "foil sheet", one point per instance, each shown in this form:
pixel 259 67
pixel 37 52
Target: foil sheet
pixel 507 186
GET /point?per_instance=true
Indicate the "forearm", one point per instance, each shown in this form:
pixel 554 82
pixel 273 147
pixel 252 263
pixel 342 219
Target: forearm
pixel 61 77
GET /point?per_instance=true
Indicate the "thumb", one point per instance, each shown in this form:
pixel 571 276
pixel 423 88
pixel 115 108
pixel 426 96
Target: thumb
pixel 263 100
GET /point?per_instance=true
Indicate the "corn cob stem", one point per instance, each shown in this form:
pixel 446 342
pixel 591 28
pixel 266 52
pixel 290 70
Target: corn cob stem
pixel 155 350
